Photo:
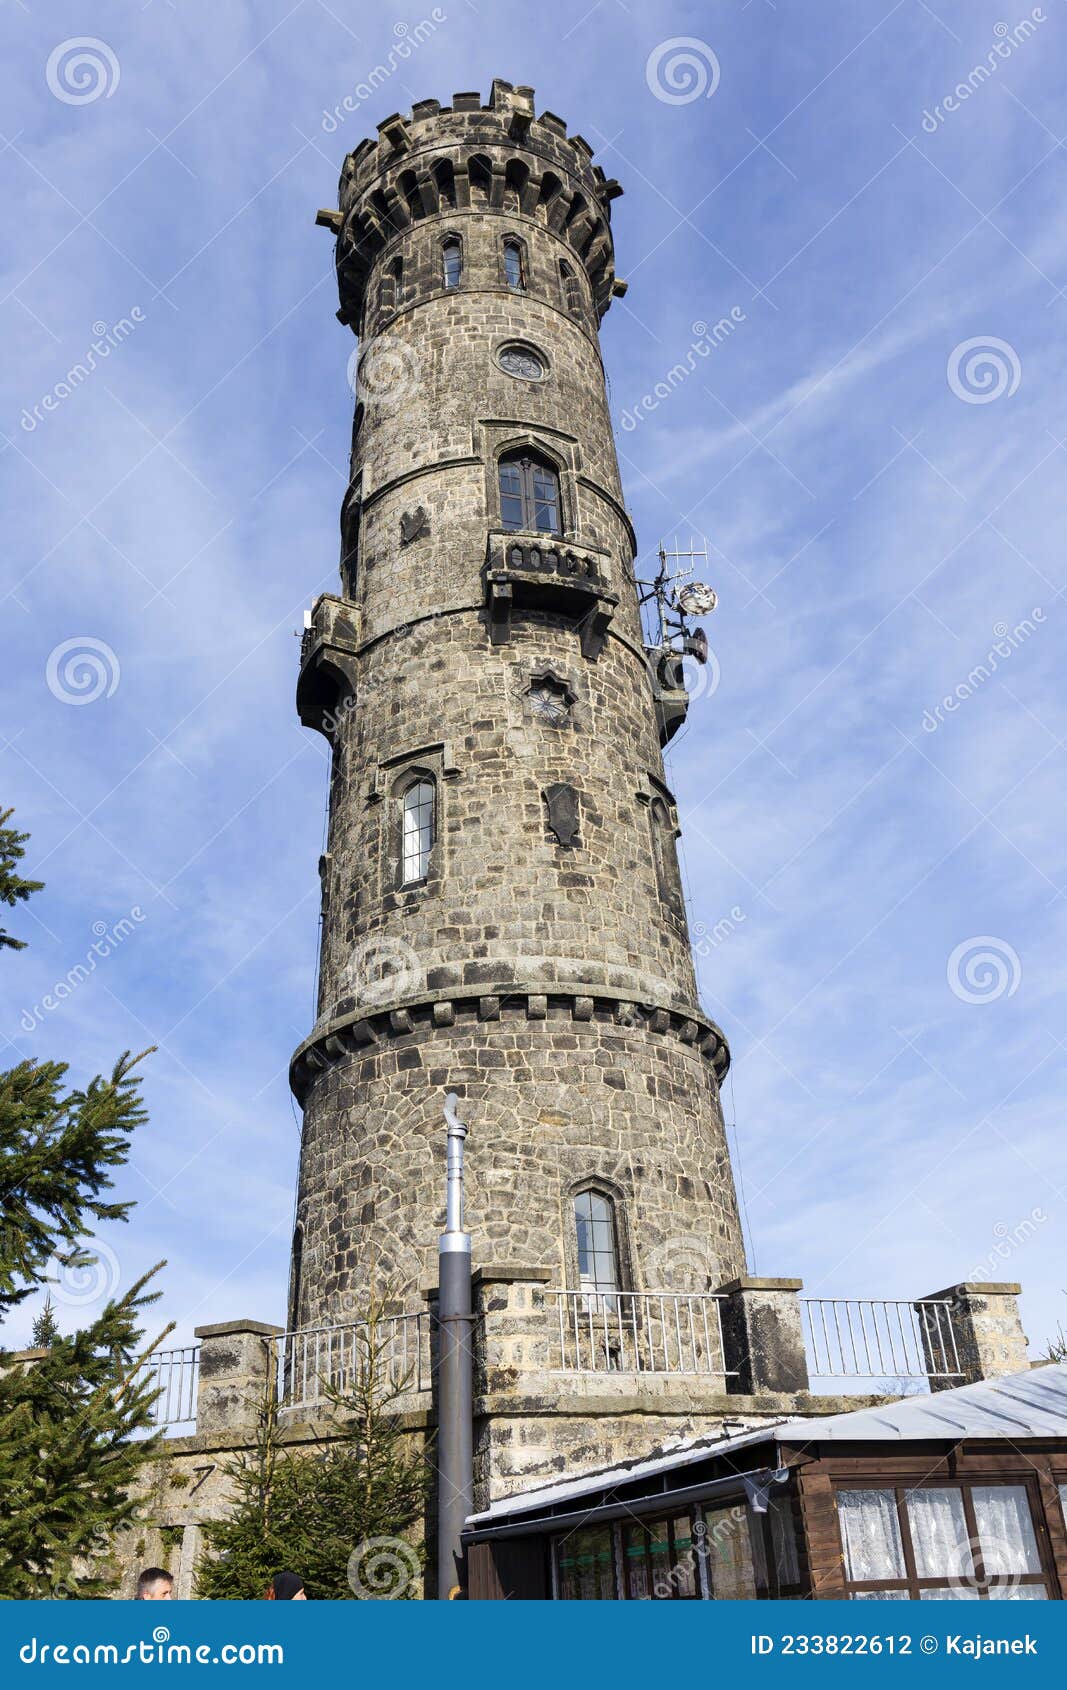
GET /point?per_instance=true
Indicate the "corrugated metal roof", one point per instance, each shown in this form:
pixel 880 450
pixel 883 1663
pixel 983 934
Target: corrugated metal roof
pixel 1019 1405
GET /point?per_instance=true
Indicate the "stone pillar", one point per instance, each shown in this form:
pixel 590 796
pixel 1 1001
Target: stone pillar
pixel 513 1334
pixel 235 1365
pixel 762 1336
pixel 984 1322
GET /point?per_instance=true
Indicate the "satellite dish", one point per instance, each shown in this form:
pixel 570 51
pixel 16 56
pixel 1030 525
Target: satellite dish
pixel 697 599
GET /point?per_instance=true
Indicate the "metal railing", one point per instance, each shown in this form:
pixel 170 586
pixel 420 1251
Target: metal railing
pixel 175 1375
pixel 638 1332
pixel 319 1359
pixel 860 1338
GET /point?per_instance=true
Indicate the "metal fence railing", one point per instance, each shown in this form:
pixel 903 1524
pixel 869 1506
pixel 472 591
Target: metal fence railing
pixel 175 1376
pixel 637 1332
pixel 863 1338
pixel 312 1362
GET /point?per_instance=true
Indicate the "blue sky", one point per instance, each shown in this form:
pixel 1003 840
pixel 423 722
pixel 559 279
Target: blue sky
pixel 873 456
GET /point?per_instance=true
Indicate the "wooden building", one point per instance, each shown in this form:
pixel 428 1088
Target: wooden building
pixel 960 1494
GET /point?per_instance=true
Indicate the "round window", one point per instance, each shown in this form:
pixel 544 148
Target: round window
pixel 522 361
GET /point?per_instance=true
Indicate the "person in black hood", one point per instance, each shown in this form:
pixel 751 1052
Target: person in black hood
pixel 286 1587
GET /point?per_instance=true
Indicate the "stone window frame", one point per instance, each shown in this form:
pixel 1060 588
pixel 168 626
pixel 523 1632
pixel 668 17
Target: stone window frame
pixel 515 243
pixel 659 801
pixel 451 237
pixel 604 1187
pixel 501 439
pixel 537 674
pixel 390 779
pixel 570 288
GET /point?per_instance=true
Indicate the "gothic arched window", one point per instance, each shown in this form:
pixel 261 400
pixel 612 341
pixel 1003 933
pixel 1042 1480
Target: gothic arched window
pixel 529 494
pixel 452 261
pixel 417 836
pixel 514 264
pixel 598 1243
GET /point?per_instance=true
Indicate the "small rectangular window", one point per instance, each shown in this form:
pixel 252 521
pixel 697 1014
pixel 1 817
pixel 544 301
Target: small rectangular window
pixel 585 1565
pixel 452 261
pixel 514 268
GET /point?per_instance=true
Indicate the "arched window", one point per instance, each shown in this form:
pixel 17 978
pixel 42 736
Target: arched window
pixel 571 288
pixel 514 264
pixel 529 494
pixel 665 856
pixel 444 176
pixel 417 837
pixel 452 261
pixel 598 1245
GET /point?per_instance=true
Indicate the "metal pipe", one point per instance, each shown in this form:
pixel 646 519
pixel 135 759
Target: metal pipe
pixel 455 1374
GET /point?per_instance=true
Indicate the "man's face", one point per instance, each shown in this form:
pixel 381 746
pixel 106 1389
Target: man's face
pixel 158 1592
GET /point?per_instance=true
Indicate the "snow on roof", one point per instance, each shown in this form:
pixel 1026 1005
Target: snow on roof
pixel 1017 1405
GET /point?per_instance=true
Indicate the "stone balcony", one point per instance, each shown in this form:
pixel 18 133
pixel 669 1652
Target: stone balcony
pixel 753 1341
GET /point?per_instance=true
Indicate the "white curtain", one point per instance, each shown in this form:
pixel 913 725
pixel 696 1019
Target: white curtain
pixel 1005 1530
pixel 1018 1593
pixel 939 1533
pixel 951 1593
pixel 870 1535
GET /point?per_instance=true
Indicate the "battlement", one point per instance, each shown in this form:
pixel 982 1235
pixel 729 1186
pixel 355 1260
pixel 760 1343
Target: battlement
pixel 499 157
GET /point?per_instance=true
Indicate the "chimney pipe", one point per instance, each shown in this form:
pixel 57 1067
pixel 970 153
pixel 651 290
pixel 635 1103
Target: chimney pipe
pixel 455 1385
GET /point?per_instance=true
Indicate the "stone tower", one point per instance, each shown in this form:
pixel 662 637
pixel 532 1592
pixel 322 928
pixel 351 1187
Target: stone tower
pixel 502 911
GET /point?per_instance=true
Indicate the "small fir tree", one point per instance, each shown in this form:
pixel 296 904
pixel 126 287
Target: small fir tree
pixel 75 1424
pixel 338 1517
pixel 45 1327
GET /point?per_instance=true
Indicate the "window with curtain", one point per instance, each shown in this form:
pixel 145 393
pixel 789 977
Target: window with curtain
pixel 585 1565
pixel 452 262
pixel 529 494
pixel 514 264
pixel 940 1542
pixel 728 1550
pixel 660 1561
pixel 418 831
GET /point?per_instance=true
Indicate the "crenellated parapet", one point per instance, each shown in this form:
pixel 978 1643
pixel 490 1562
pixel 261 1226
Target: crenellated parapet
pixel 446 161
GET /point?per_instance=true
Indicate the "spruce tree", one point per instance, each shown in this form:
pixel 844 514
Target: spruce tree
pixel 45 1327
pixel 76 1424
pixel 342 1516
